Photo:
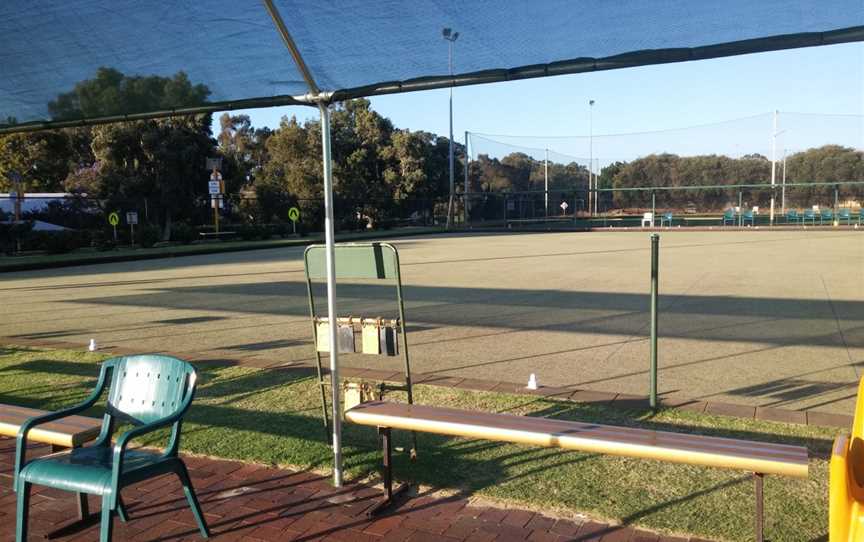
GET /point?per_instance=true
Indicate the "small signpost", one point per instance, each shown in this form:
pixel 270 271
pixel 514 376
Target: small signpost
pixel 294 216
pixel 216 189
pixel 132 220
pixel 17 195
pixel 564 206
pixel 114 219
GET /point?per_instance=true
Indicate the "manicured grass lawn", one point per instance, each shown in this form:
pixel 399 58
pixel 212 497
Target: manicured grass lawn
pixel 273 417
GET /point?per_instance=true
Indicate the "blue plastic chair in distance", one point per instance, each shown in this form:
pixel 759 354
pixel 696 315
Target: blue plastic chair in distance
pixel 666 218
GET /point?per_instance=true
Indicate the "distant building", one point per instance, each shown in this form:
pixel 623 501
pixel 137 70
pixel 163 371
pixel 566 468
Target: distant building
pixel 33 203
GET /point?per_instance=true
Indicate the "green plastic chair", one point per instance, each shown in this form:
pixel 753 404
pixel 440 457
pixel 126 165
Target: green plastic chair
pixel 792 216
pixel 845 214
pixel 826 215
pixel 810 215
pixel 748 216
pixel 148 391
pixel 667 219
pixel 729 216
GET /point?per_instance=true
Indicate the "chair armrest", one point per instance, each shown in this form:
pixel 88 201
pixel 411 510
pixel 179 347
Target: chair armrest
pixel 21 441
pixel 125 438
pixel 30 423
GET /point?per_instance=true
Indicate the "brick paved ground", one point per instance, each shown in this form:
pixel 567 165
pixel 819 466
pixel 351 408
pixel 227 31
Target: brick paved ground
pixel 256 503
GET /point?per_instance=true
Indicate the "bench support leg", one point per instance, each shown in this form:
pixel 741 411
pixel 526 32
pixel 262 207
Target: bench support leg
pixel 387 475
pixel 758 479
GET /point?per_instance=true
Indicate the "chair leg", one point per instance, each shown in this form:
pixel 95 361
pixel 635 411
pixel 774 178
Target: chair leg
pixel 183 474
pixel 83 506
pixel 121 510
pixel 23 509
pixel 107 524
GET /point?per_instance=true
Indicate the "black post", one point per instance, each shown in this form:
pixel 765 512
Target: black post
pixel 758 478
pixel 655 264
pixel 388 461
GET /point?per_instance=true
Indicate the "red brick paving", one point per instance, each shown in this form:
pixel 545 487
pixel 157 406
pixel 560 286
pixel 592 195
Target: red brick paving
pixel 254 503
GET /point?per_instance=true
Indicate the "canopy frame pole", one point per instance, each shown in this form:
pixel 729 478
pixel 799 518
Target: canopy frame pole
pixel 322 101
pixel 330 257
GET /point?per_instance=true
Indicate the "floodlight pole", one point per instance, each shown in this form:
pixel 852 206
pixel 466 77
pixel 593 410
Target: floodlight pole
pixel 592 196
pixel 773 164
pixel 451 38
pixel 465 189
pixel 546 182
pixel 783 189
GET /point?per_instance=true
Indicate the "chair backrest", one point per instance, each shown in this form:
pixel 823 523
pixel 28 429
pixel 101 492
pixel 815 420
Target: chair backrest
pixel 792 213
pixel 145 388
pixel 827 212
pixel 729 213
pixel 845 213
pixel 668 216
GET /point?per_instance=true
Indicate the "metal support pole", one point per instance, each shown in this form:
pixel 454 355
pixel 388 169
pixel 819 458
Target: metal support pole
pixel 653 207
pixel 740 209
pixel 452 179
pixel 836 199
pixel 592 182
pixel 758 477
pixel 546 182
pixel 465 189
pixel 655 265
pixel 783 187
pixel 773 164
pixel 331 293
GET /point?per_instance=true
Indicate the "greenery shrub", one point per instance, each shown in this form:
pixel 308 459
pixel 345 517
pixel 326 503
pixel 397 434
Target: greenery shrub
pixel 10 233
pixel 184 233
pixel 60 242
pixel 247 232
pixel 103 240
pixel 149 235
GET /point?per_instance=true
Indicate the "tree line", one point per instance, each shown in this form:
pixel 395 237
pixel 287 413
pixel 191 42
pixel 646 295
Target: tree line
pixel 380 171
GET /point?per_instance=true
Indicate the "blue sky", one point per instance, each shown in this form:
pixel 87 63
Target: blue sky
pixel 812 80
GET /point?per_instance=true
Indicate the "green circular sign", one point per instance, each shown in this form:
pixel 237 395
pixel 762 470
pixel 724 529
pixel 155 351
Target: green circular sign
pixel 114 219
pixel 294 214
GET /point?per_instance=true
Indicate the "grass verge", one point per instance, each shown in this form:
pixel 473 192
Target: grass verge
pixel 273 417
pixel 88 256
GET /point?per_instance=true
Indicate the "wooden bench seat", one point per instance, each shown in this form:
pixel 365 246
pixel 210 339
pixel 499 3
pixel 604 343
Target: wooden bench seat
pixel 69 432
pixel 720 452
pixel 759 458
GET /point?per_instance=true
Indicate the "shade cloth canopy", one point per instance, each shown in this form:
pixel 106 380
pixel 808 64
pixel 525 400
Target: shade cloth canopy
pixel 233 56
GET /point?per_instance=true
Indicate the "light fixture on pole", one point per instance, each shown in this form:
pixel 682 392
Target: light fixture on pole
pixel 592 196
pixel 451 38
